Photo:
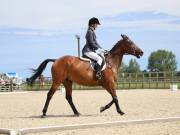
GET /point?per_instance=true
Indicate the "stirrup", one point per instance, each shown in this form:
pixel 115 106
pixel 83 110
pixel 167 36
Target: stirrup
pixel 98 75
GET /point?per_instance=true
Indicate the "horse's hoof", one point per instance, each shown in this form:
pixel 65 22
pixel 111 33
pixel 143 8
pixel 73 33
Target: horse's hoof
pixel 77 114
pixel 102 109
pixel 43 116
pixel 121 113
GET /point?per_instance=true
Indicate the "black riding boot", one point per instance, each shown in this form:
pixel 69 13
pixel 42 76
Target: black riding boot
pixel 98 71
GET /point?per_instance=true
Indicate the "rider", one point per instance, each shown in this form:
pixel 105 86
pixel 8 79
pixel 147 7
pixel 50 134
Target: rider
pixel 92 47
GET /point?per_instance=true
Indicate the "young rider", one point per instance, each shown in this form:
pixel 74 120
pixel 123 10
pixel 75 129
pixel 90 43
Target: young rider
pixel 92 47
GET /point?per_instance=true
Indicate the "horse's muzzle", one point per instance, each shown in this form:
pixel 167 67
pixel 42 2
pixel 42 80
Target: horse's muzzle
pixel 140 54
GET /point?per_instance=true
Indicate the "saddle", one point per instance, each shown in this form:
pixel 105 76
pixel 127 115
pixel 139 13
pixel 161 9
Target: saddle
pixel 93 62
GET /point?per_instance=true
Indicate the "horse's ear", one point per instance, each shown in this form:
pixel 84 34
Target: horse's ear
pixel 123 36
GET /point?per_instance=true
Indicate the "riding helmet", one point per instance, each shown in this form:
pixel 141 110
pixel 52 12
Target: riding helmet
pixel 94 21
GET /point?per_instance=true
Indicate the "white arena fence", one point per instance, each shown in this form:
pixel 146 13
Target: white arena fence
pixel 85 126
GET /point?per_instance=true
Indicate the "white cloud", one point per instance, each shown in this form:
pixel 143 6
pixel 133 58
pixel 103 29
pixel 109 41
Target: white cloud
pixel 37 33
pixel 158 24
pixel 73 15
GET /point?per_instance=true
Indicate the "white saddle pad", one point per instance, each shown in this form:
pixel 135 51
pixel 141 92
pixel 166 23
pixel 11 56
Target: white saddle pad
pixel 92 64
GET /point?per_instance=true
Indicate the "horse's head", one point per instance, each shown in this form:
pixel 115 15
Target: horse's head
pixel 129 47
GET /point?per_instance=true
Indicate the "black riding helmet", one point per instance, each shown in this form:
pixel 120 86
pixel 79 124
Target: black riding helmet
pixel 94 21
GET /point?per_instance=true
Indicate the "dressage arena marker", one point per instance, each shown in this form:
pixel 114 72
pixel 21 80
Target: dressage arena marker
pixel 7 131
pixel 95 125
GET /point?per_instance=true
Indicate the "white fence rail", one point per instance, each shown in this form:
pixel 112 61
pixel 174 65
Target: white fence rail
pixel 7 131
pixel 85 126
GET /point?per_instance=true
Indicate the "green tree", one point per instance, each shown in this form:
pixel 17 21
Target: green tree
pixel 123 68
pixel 133 66
pixel 162 60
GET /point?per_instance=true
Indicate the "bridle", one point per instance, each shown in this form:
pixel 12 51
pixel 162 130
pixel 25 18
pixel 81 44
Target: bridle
pixel 118 54
pixel 133 52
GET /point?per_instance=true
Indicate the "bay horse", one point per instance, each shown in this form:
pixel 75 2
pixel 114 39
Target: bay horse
pixel 69 69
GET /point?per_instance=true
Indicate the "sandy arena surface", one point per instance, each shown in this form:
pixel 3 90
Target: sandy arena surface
pixel 23 110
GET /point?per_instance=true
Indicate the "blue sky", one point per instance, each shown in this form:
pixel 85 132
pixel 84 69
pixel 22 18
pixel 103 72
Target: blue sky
pixel 33 30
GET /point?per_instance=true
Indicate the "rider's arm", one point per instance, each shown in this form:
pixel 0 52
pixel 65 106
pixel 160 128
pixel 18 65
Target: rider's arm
pixel 91 41
pixel 97 44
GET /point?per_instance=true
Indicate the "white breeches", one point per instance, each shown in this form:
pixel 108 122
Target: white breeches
pixel 94 56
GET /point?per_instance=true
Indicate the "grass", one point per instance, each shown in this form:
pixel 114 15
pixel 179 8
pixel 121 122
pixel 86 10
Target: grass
pixel 124 85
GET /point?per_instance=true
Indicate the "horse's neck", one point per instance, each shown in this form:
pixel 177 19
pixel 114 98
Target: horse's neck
pixel 115 61
pixel 116 57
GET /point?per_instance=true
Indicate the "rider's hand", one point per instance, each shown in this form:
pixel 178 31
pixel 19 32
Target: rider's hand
pixel 106 52
pixel 102 50
pixel 99 51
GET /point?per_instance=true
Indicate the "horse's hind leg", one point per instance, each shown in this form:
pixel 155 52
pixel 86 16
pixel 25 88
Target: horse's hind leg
pixel 68 86
pixel 51 92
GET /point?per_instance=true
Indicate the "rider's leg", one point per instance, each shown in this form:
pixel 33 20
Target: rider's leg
pixel 98 70
pixel 99 60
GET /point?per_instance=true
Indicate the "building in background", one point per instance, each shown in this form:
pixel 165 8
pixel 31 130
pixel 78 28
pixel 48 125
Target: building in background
pixel 5 78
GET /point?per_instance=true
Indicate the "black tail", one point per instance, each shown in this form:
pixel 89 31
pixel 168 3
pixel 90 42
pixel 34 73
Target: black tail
pixel 38 71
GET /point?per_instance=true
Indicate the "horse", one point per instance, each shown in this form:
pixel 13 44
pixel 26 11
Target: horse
pixel 68 69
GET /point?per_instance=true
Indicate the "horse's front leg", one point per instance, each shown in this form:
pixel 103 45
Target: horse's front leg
pixel 109 85
pixel 103 108
pixel 115 99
